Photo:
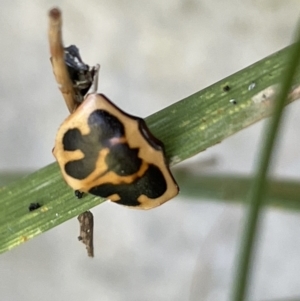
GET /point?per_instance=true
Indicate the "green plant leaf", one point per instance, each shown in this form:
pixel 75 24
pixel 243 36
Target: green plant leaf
pixel 258 191
pixel 186 128
pixel 283 194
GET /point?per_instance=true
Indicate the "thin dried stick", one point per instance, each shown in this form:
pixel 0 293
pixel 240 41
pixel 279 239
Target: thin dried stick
pixel 58 61
pixel 86 221
pixel 94 86
pixel 68 91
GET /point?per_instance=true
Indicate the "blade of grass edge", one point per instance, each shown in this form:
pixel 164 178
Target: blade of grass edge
pixel 241 281
pixel 186 128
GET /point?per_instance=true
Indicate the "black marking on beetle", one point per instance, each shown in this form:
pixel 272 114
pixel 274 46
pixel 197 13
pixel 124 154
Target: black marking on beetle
pixel 103 127
pixel 153 141
pixel 118 155
pixel 34 206
pixel 152 184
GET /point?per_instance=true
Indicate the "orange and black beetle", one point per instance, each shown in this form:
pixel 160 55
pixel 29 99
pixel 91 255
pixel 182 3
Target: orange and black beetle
pixel 109 153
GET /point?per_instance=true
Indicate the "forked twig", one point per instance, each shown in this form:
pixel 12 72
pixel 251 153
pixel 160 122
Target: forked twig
pixel 58 59
pixel 75 79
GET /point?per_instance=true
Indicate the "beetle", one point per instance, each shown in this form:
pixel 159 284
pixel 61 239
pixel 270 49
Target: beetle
pixel 106 152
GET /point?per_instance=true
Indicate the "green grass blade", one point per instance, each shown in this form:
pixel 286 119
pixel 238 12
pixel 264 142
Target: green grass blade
pixel 283 194
pixel 260 182
pixel 47 188
pixel 207 117
pixel 186 128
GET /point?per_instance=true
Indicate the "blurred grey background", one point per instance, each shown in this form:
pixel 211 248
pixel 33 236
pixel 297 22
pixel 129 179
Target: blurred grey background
pixel 152 53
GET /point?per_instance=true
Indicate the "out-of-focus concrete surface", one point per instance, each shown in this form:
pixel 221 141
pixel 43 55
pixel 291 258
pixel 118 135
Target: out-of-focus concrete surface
pixel 152 53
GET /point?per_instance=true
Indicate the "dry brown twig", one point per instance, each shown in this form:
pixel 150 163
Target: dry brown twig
pixel 58 59
pixel 86 221
pixel 74 80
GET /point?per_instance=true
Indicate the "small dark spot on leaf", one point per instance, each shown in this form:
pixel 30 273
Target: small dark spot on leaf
pixel 34 206
pixel 78 194
pixel 226 88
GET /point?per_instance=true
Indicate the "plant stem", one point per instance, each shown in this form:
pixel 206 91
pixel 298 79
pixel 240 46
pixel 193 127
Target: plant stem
pixel 259 186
